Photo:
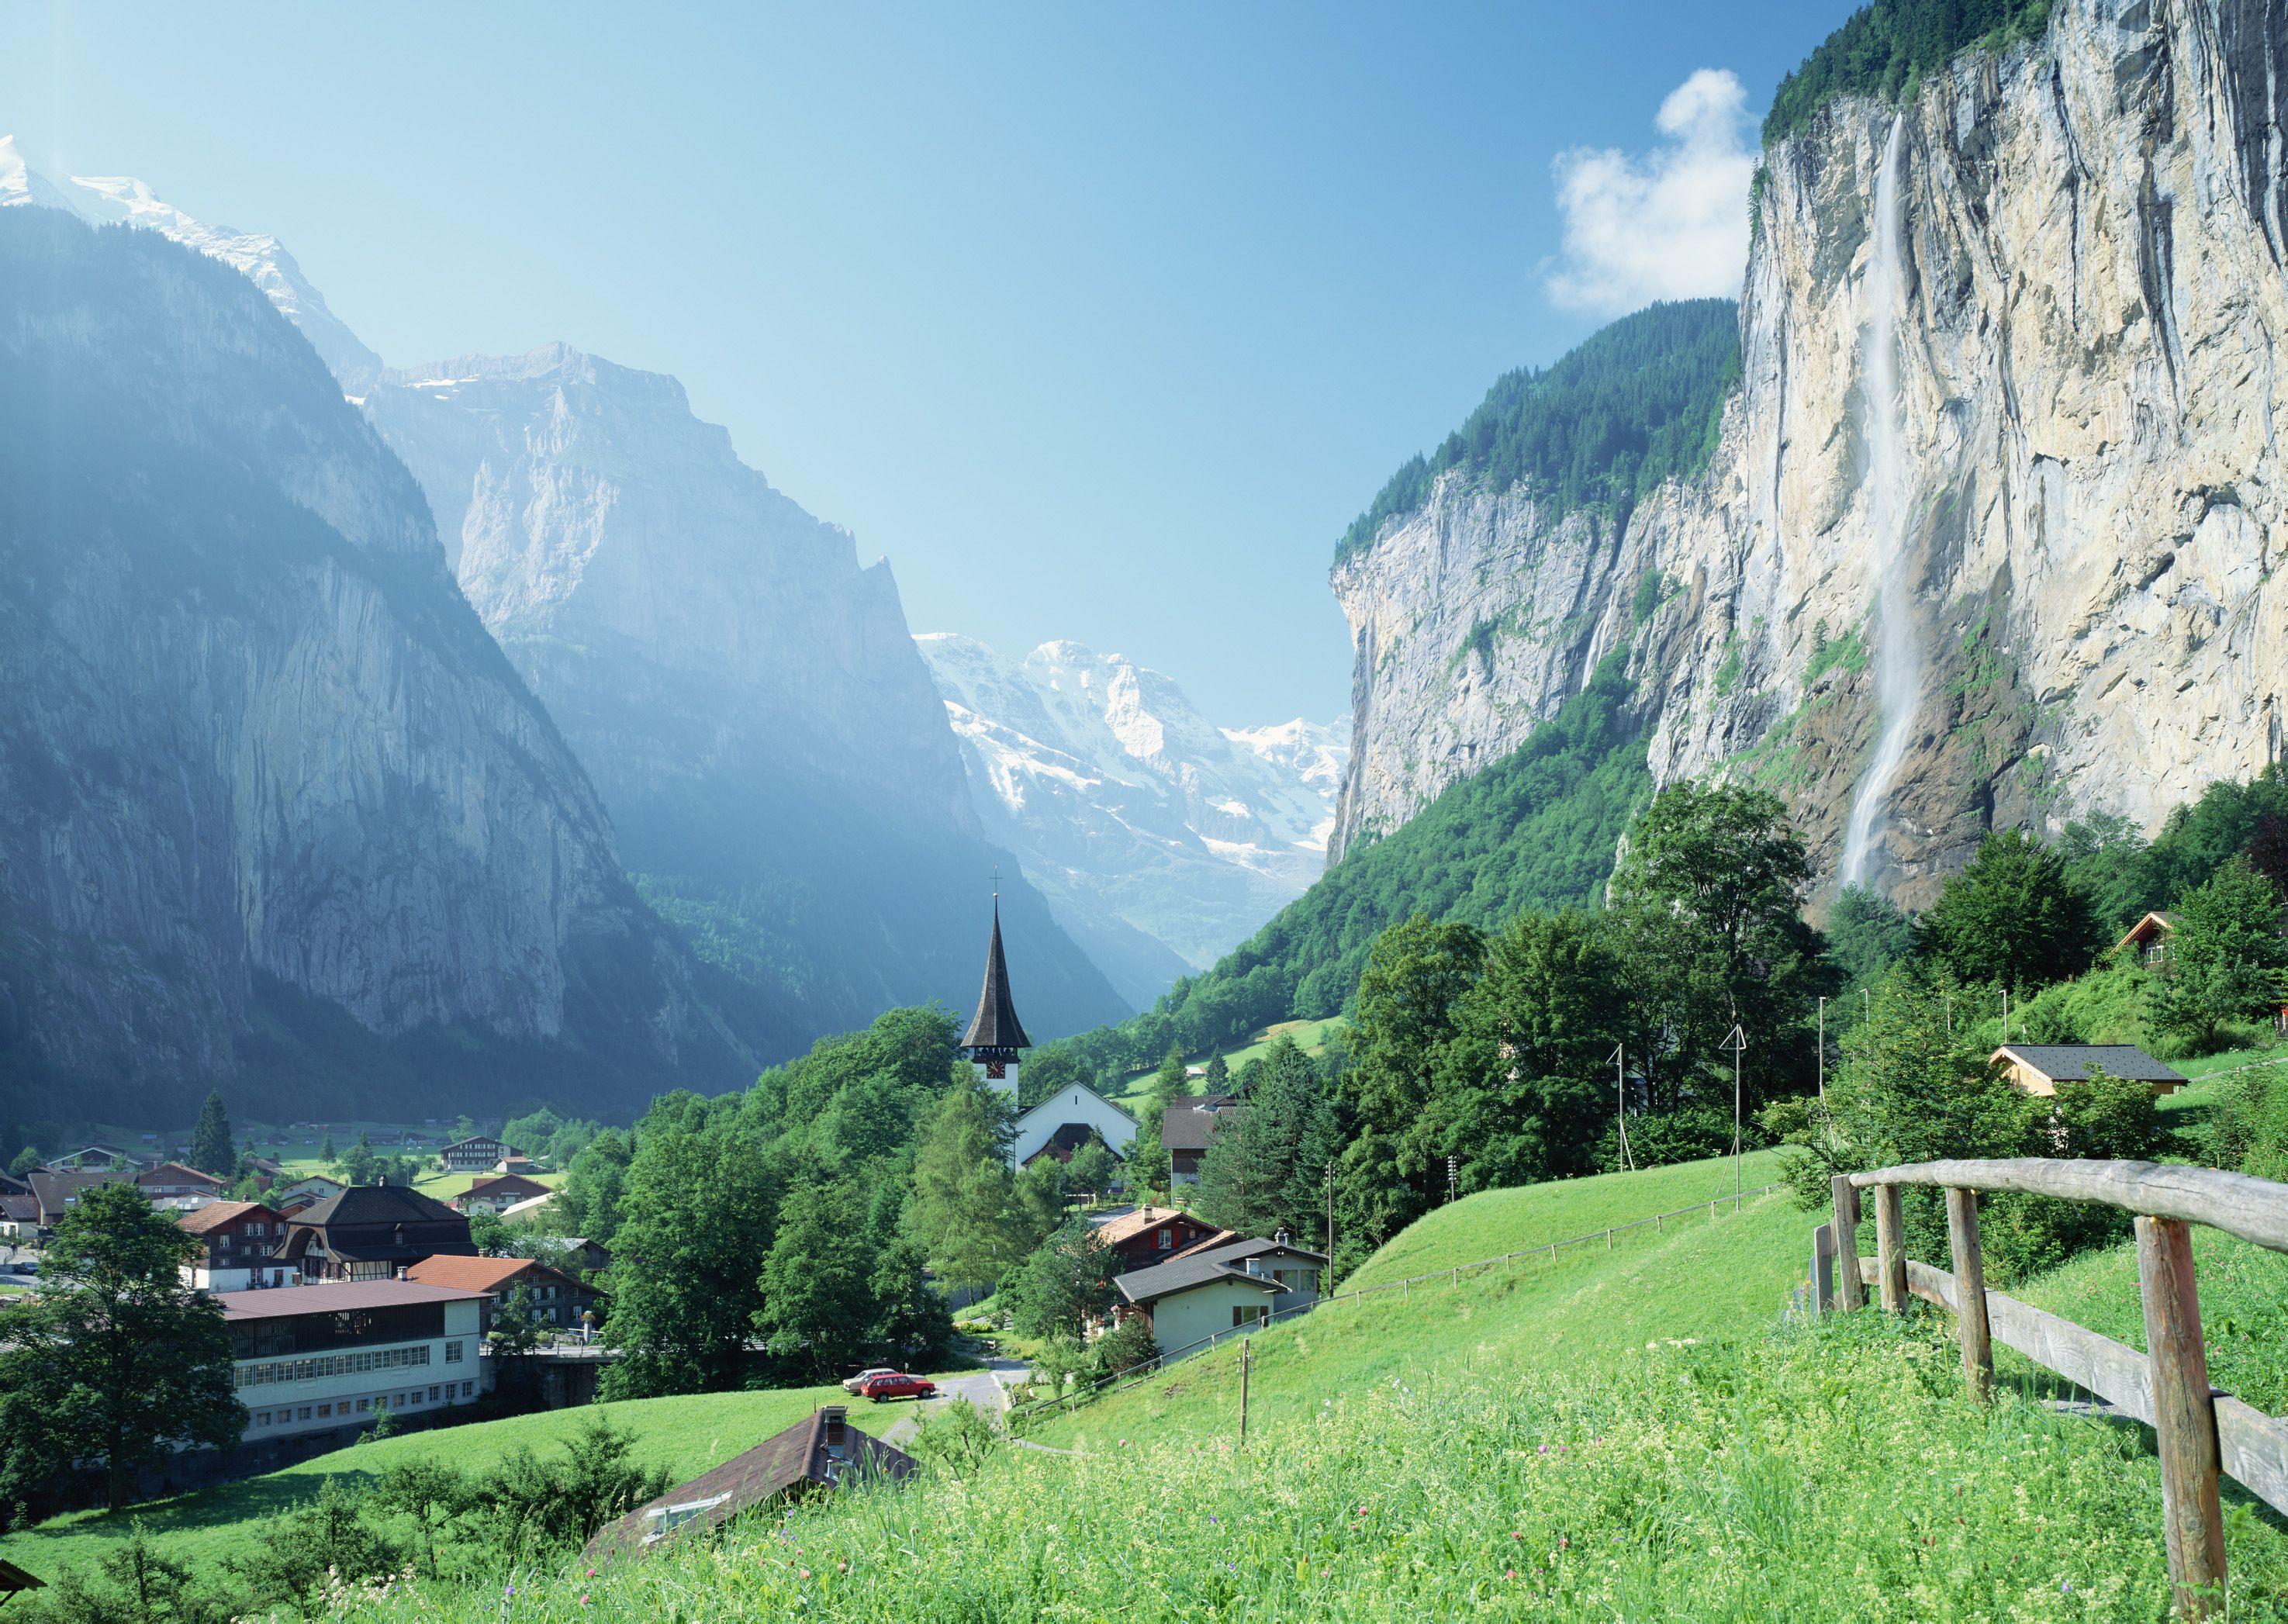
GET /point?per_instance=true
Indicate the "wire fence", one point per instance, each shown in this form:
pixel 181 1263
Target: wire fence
pixel 1451 1275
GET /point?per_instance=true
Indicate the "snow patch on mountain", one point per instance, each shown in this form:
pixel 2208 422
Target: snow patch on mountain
pixel 1139 816
pixel 119 200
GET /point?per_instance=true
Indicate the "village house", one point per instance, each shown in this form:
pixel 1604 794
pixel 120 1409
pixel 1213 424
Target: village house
pixel 370 1231
pixel 1190 1127
pixel 516 1164
pixel 58 1193
pixel 531 1206
pixel 557 1299
pixel 2039 1068
pixel 97 1158
pixel 497 1194
pixel 479 1153
pixel 818 1454
pixel 239 1238
pixel 1191 1299
pixel 1150 1235
pixel 2147 942
pixel 324 1358
pixel 307 1191
pixel 174 1187
pixel 19 1216
pixel 1295 1270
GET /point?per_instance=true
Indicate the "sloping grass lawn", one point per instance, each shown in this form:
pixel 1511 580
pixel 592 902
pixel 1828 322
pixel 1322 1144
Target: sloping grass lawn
pixel 1699 1279
pixel 1311 1036
pixel 1827 1472
pixel 685 1435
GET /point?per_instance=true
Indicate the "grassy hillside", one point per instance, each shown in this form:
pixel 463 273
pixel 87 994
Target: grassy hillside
pixel 1313 1037
pixel 1583 1306
pixel 686 1435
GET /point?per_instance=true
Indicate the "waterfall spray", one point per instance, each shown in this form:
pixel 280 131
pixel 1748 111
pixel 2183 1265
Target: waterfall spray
pixel 1898 651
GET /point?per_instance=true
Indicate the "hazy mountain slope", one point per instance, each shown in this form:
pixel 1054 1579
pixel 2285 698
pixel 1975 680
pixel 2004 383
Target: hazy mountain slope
pixel 744 694
pixel 274 810
pixel 1161 840
pixel 2090 300
pixel 121 201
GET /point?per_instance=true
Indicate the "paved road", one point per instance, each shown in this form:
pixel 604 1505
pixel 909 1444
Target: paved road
pixel 987 1389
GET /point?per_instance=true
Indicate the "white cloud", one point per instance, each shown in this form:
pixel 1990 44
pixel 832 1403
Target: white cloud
pixel 1669 224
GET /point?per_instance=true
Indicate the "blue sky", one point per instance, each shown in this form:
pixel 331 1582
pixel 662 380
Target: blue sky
pixel 1101 321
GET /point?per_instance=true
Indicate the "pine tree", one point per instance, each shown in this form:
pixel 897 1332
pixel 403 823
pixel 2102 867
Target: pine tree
pixel 210 1143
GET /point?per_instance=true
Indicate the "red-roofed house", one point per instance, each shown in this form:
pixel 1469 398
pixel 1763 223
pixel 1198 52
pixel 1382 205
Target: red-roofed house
pixel 497 1194
pixel 1150 1235
pixel 239 1237
pixel 173 1187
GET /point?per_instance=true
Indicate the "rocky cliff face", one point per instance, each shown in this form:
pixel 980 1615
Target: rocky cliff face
pixel 273 808
pixel 744 694
pixel 2090 307
pixel 1162 840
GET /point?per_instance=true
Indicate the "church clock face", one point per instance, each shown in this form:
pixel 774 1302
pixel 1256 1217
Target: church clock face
pixel 997 1070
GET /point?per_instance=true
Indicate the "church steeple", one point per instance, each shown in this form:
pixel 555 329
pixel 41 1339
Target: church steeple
pixel 995 1033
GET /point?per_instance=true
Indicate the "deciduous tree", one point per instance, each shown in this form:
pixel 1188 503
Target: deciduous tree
pixel 115 1356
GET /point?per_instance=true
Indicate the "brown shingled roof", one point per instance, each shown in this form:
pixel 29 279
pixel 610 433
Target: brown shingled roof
pixel 214 1215
pixel 492 1274
pixel 794 1459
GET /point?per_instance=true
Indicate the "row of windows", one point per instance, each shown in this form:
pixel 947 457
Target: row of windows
pixel 442 1393
pixel 337 1365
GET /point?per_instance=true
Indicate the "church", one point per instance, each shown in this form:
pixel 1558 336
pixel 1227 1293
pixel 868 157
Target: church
pixel 1059 1125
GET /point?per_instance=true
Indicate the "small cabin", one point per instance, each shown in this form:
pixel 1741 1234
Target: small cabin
pixel 2039 1068
pixel 2147 942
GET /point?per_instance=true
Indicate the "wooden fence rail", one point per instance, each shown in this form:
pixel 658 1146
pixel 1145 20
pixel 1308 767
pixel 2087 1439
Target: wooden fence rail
pixel 2201 1434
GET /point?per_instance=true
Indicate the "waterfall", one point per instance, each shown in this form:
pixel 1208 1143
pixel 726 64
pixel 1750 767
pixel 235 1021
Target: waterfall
pixel 1898 655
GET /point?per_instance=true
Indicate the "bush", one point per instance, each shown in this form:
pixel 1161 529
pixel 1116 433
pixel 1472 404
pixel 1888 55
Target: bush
pixel 959 1438
pixel 1124 1347
pixel 2248 1129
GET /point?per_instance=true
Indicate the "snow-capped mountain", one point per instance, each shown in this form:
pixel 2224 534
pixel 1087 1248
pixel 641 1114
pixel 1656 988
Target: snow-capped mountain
pixel 1161 839
pixel 121 201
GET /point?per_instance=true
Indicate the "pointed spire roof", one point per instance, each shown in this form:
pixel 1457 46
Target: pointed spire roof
pixel 996 1025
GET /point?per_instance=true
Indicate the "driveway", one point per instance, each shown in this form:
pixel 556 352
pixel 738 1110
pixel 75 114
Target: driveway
pixel 987 1389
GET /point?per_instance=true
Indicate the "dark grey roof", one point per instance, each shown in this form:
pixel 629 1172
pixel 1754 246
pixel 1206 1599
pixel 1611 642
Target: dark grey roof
pixel 1240 1251
pixel 379 1204
pixel 996 1025
pixel 1192 1125
pixel 2072 1061
pixel 1144 1285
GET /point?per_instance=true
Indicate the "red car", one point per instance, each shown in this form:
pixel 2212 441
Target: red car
pixel 896 1386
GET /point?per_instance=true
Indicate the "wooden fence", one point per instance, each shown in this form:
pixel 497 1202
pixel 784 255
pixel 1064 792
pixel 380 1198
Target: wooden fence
pixel 2202 1434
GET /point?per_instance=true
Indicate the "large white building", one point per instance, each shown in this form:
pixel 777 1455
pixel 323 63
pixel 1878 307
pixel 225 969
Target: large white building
pixel 996 1039
pixel 319 1358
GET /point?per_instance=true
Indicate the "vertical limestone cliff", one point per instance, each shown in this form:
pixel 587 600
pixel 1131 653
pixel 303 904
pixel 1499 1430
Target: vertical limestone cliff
pixel 274 812
pixel 2091 303
pixel 744 693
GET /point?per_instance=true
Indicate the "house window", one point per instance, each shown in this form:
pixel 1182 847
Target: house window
pixel 325 1410
pixel 452 1353
pixel 1248 1313
pixel 433 1395
pixel 261 1418
pixel 364 1404
pixel 306 1411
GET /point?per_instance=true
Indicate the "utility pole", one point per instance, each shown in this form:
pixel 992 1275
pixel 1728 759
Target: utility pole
pixel 2005 1014
pixel 1823 1048
pixel 1246 1362
pixel 1621 1103
pixel 1738 1045
pixel 1453 1170
pixel 1331 1214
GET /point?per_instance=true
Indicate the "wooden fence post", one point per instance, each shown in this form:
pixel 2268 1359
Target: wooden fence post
pixel 1823 1269
pixel 1970 1293
pixel 1850 1292
pixel 1891 1248
pixel 2184 1415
